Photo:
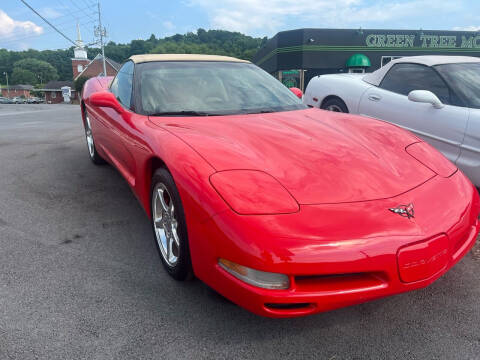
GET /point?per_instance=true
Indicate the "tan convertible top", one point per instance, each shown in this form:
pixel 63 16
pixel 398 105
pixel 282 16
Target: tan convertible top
pixel 182 57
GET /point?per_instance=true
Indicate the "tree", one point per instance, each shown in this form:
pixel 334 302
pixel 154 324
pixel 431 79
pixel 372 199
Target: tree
pixel 219 42
pixel 202 42
pixel 79 83
pixel 22 76
pixel 41 70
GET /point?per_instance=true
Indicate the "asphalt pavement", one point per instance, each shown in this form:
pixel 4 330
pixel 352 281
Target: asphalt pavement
pixel 80 277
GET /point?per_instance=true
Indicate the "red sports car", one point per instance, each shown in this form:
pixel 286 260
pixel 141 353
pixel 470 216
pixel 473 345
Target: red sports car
pixel 283 209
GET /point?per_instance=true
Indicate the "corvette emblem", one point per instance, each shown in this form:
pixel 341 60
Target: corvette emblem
pixel 404 210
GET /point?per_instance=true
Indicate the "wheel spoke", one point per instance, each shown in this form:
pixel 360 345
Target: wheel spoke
pixel 176 238
pixel 158 222
pixel 162 199
pixel 157 215
pixel 169 248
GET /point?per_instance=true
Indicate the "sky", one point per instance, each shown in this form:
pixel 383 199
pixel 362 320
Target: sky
pixel 21 29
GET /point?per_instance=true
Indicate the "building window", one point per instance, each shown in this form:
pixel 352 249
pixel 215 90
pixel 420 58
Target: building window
pixel 54 95
pixel 80 68
pixel 387 59
pixel 358 70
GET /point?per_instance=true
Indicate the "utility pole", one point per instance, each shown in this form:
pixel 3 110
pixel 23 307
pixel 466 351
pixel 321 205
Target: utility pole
pixel 100 31
pixel 8 88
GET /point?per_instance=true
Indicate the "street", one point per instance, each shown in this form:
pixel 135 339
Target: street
pixel 80 277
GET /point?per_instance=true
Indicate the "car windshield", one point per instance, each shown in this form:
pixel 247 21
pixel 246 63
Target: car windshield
pixel 197 88
pixel 464 79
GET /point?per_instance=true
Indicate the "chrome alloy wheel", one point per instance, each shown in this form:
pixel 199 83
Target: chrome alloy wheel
pixel 334 108
pixel 89 136
pixel 165 224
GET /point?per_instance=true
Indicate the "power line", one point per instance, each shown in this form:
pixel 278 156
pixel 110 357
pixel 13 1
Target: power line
pixel 67 12
pixel 70 16
pixel 14 35
pixel 64 26
pixel 89 4
pixel 75 4
pixel 90 10
pixel 12 38
pixel 48 22
pixel 67 6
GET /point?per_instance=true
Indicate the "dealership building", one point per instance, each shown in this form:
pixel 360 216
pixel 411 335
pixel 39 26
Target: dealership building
pixel 295 56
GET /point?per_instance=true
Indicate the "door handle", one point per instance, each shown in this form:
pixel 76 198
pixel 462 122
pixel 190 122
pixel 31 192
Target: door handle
pixel 374 97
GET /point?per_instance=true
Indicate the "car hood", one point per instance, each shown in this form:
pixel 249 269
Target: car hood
pixel 318 156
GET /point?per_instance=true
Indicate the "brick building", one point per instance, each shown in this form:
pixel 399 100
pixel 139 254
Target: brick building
pixel 53 91
pixel 17 90
pixel 95 67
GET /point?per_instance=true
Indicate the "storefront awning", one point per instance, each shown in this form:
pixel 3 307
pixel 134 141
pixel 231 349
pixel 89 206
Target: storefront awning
pixel 358 60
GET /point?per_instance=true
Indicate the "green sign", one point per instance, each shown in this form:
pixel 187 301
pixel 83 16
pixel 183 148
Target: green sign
pixel 291 78
pixel 422 41
pixel 290 72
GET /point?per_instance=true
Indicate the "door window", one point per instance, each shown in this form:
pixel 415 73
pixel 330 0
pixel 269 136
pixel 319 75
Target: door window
pixel 123 83
pixel 403 78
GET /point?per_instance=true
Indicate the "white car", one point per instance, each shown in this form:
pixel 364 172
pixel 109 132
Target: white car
pixel 435 97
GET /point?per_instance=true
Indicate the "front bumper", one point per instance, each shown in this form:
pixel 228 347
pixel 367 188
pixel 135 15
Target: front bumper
pixel 312 294
pixel 340 254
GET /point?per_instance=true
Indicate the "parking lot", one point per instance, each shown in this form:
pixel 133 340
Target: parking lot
pixel 80 276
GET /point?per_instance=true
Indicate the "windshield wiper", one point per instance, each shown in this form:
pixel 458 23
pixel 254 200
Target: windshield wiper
pixel 182 113
pixel 261 111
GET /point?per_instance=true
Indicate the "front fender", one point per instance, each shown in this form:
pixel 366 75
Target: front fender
pixel 189 170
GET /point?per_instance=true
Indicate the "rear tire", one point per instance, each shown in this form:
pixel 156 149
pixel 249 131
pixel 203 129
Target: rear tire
pixel 335 104
pixel 169 226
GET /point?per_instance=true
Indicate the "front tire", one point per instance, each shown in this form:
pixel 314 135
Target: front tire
pixel 335 104
pixel 92 150
pixel 169 226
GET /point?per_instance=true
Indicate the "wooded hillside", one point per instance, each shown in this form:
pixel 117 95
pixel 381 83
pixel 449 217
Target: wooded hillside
pixel 219 42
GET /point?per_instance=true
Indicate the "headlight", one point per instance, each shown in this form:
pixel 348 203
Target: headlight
pixel 256 278
pixel 253 192
pixel 431 158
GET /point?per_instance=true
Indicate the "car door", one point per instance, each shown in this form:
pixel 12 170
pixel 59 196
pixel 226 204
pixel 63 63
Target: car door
pixel 469 159
pixel 443 128
pixel 119 126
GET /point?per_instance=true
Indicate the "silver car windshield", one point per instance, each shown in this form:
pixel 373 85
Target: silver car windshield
pixel 464 79
pixel 210 88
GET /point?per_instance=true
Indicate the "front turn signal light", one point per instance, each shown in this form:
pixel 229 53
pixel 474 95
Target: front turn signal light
pixel 256 278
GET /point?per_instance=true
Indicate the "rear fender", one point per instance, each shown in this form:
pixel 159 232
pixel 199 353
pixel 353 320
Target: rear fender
pixel 348 89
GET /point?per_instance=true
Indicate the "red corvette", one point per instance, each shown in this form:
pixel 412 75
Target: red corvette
pixel 283 209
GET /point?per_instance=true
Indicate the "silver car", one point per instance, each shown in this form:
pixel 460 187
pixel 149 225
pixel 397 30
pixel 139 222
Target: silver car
pixel 436 97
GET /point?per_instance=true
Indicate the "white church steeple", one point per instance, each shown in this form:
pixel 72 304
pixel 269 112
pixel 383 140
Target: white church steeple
pixel 79 50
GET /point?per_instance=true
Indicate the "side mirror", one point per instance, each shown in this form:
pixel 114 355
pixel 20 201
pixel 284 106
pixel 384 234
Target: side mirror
pixel 106 99
pixel 297 92
pixel 425 96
